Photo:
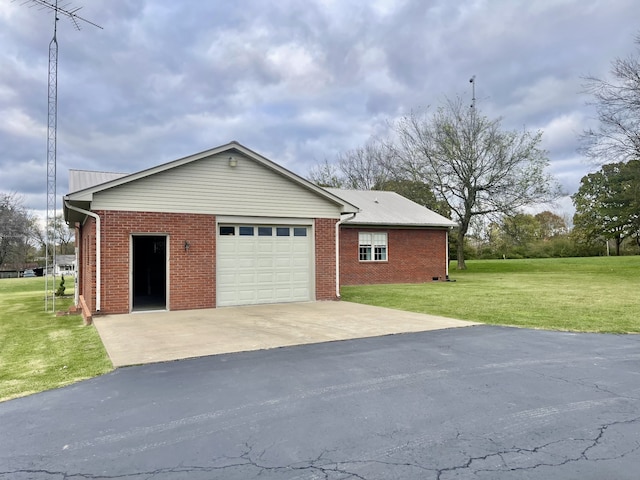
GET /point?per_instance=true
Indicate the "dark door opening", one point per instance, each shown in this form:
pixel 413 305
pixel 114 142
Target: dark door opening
pixel 149 273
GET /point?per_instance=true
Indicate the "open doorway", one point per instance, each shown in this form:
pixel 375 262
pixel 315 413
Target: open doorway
pixel 149 272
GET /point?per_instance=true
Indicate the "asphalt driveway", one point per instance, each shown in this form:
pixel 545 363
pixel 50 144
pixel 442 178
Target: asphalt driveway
pixel 150 337
pixel 484 402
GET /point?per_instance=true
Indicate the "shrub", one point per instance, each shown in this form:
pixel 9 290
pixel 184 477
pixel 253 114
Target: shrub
pixel 61 288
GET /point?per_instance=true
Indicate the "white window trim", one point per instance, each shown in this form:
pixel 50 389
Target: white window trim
pixel 373 246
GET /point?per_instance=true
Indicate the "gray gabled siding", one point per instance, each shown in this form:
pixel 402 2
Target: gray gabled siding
pixel 211 186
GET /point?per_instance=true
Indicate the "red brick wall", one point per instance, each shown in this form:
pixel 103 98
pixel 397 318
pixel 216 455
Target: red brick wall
pixel 86 243
pixel 414 256
pixel 192 280
pixel 325 238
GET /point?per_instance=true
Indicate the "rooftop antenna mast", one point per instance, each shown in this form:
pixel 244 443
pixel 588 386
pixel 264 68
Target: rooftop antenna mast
pixel 52 127
pixel 472 80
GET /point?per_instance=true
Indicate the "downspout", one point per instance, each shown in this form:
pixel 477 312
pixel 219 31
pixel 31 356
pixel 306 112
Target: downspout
pixel 446 246
pixel 98 269
pixel 338 252
pixel 76 291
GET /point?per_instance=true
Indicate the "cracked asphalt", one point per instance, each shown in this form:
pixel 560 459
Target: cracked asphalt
pixel 482 402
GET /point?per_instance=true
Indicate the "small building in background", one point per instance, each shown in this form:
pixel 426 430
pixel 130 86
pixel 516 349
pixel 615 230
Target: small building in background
pixel 65 265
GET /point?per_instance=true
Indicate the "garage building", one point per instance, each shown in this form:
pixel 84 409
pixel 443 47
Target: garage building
pixel 219 228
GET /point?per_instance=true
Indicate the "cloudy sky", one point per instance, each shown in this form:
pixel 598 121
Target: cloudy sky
pixel 298 81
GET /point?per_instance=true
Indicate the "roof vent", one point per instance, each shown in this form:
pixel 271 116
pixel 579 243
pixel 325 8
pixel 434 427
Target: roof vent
pixel 376 200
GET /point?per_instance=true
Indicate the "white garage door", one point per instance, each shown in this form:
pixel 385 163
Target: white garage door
pixel 263 264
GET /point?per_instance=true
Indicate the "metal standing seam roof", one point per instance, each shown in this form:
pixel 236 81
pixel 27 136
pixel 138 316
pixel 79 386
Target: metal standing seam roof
pixel 389 208
pixel 81 179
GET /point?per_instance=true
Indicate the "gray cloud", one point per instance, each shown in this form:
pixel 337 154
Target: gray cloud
pixel 296 81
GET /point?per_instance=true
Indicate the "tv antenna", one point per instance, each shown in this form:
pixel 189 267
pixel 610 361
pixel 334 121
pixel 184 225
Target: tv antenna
pixel 472 80
pixel 52 127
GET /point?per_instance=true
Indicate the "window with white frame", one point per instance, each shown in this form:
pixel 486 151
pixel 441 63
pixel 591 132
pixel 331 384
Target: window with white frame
pixel 372 247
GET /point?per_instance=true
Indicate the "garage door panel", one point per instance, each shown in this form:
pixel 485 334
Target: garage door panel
pixel 264 246
pixel 284 277
pixel 299 277
pixel 282 262
pixel 246 278
pixel 226 247
pixel 247 297
pixel 282 293
pixel 298 262
pixel 283 247
pixel 245 248
pixel 241 262
pixel 264 269
pixel 265 278
pixel 264 262
pixel 265 295
pixel 225 264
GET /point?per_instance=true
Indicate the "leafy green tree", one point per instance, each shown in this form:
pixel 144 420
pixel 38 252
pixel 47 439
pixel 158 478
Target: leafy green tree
pixel 608 204
pixel 630 196
pixel 527 236
pixel 550 225
pixel 520 229
pixel 474 165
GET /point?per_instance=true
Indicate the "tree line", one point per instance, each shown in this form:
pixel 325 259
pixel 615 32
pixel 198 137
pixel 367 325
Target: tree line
pixel 454 161
pixel 23 238
pixel 608 200
pixel 465 166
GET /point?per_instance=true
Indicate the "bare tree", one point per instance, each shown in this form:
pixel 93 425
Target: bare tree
pixel 367 166
pixel 473 165
pixel 326 174
pixel 361 168
pixel 17 227
pixel 64 235
pixel 617 104
pixel 375 166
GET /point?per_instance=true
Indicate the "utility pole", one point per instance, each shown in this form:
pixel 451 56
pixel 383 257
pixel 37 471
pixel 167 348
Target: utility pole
pixel 52 142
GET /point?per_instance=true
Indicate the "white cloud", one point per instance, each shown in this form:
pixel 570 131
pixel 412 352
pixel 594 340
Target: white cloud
pixel 8 10
pixel 295 81
pixel 300 68
pixel 561 133
pixel 16 122
pixel 543 96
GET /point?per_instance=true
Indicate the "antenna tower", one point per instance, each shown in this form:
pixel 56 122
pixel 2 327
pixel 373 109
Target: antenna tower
pixel 52 127
pixel 472 80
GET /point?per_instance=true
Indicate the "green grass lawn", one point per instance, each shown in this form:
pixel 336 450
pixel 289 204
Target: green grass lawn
pixel 39 351
pixel 599 294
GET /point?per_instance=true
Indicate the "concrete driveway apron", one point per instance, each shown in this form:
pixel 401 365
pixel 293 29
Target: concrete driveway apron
pixel 150 337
